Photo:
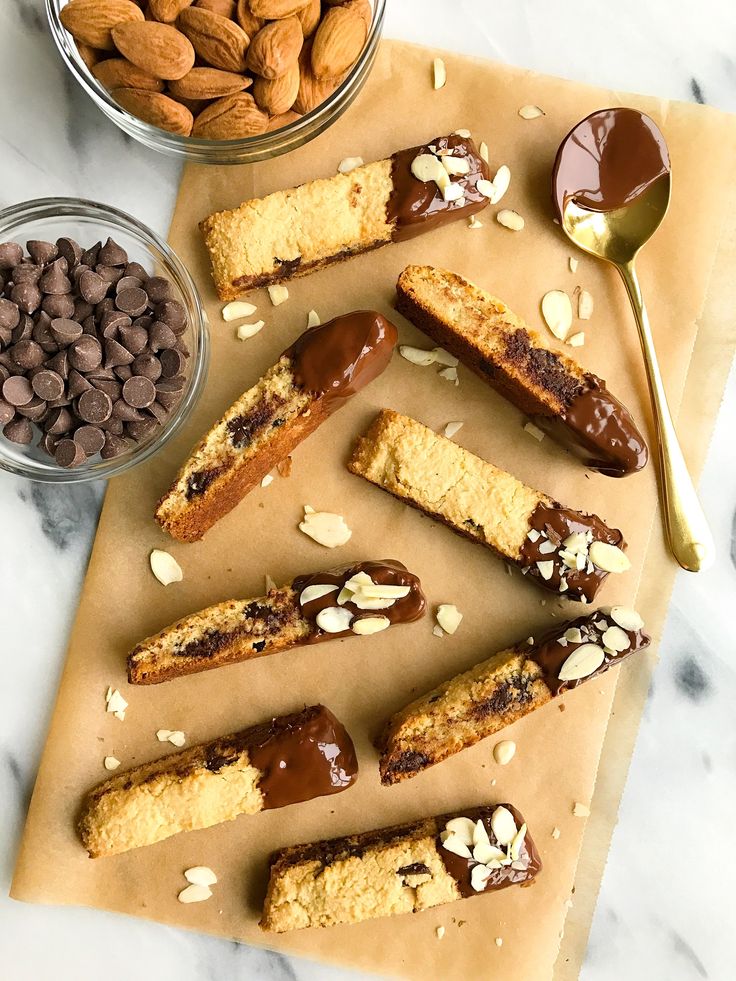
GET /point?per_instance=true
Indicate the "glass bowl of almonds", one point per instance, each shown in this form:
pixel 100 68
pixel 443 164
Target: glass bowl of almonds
pixel 103 341
pixel 219 81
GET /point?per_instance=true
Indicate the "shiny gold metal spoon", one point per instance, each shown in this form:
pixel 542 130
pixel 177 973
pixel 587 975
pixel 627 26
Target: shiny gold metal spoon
pixel 617 236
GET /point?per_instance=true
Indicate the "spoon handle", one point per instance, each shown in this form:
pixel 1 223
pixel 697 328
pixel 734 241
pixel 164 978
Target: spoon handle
pixel 690 538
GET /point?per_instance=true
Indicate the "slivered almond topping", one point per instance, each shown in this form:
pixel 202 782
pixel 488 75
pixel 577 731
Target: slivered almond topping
pixel 510 219
pixel 557 313
pixel 479 876
pixel 503 825
pixel 555 833
pixel 453 192
pixel 370 625
pixel 438 631
pixel 439 73
pixel 348 164
pixel 608 558
pixel 486 188
pixel 237 310
pixel 451 429
pixel 163 735
pixel 453 843
pixel 626 618
pixel 449 374
pixel 503 752
pixel 246 331
pixel 500 183
pixel 194 893
pixel 483 151
pixel 474 223
pixel 616 639
pixel 440 932
pixel 531 112
pixel 417 355
pixel 515 850
pixel 583 661
pixel 111 763
pixel 325 528
pixel 546 569
pixel 456 166
pixel 165 567
pixel 580 810
pixel 463 827
pixel 534 431
pixel 116 703
pixel 444 357
pixel 427 167
pixel 334 619
pixel 313 319
pixel 278 294
pixel 573 263
pixel 465 133
pixel 315 592
pixel 200 875
pixel 585 305
pixel 448 617
pixel 268 479
pixel 577 340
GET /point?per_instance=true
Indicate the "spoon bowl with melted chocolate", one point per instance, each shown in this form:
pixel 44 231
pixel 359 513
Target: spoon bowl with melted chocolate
pixel 611 186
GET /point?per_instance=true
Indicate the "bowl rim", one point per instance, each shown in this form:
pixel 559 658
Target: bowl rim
pixel 17 216
pixel 243 150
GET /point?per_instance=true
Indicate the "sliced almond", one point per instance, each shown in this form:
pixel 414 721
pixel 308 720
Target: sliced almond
pixel 325 528
pixel 555 833
pixel 450 375
pixel 165 567
pixel 573 635
pixel 581 810
pixel 546 569
pixel 465 133
pixel 486 188
pixel 510 219
pixel 557 313
pixel 534 431
pixel 577 340
pixel 111 763
pixel 531 112
pixel 452 429
pixel 116 702
pixel 246 331
pixel 456 166
pixel 315 592
pixel 278 294
pixel 626 618
pixel 427 168
pixel 163 735
pixel 585 305
pixel 573 263
pixel 348 164
pixel 487 853
pixel 500 183
pixel 474 223
pixel 313 319
pixel 616 639
pixel 194 894
pixel 200 875
pixel 438 631
pixel 385 591
pixel 583 661
pixel 503 825
pixel 237 310
pixel 480 835
pixel 417 355
pixel 479 876
pixel 439 73
pixel 453 192
pixel 463 827
pixel 608 558
pixel 177 738
pixel 503 752
pixel 448 617
pixel 483 151
pixel 444 357
pixel 268 479
pixel 453 843
pixel 334 619
pixel 370 625
pixel 440 932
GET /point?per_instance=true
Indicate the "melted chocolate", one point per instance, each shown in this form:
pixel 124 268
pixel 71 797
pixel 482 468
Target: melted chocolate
pixel 335 360
pixel 461 868
pixel 303 756
pixel 387 572
pixel 608 160
pixel 557 523
pixel 418 206
pixel 550 654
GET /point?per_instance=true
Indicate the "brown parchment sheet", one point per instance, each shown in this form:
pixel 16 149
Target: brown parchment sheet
pixel 363 680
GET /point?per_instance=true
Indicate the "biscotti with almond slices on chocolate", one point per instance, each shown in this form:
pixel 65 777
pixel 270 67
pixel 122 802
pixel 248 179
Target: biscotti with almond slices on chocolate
pixel 561 549
pixel 287 760
pixel 406 868
pixel 355 600
pixel 321 370
pixel 509 685
pixel 571 404
pixel 297 231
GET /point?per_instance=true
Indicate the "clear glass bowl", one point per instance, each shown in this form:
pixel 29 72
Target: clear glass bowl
pixel 247 150
pixel 88 222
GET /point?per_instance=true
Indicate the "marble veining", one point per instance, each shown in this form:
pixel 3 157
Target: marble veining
pixel 659 916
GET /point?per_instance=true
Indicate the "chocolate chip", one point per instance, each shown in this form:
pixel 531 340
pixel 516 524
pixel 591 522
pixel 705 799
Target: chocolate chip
pixel 158 289
pixel 7 412
pixel 175 384
pixel 42 334
pixel 82 309
pixel 71 250
pixel 59 363
pixel 27 272
pixel 6 337
pixel 90 438
pixel 94 406
pixel 136 270
pixel 172 313
pixel 58 421
pixel 106 305
pixel 90 256
pixel 61 305
pixel 147 365
pixel 35 410
pixel 24 329
pixel 132 301
pixel 123 372
pixel 65 332
pixel 48 443
pixel 134 338
pixel 114 446
pixel 19 430
pixel 116 354
pixel 127 283
pixel 113 321
pixel 27 296
pixel 114 426
pixel 9 313
pixel 161 336
pixel 139 392
pixel 41 252
pixel 85 354
pixel 77 384
pixel 69 453
pixel 89 325
pixel 112 254
pixel 17 390
pixel 172 362
pixel 110 386
pixel 143 429
pixel 48 385
pixel 168 399
pixel 128 413
pixel 92 287
pixel 158 412
pixel 10 255
pixel 110 274
pixel 28 354
pixel 54 280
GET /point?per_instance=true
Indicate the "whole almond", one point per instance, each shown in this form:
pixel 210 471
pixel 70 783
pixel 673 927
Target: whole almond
pixel 208 83
pixel 90 56
pixel 276 9
pixel 277 122
pixel 309 17
pixel 92 21
pixel 362 7
pixel 275 48
pixel 277 95
pixel 119 73
pixel 157 48
pixel 167 11
pixel 250 24
pixel 338 42
pixel 225 8
pixel 220 42
pixel 155 108
pixel 230 118
pixel 312 91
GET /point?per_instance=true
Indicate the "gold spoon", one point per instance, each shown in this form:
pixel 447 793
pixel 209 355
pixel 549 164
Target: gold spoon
pixel 617 236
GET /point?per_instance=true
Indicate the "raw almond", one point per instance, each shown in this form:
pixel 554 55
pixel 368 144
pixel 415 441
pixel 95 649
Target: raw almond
pixel 338 42
pixel 117 73
pixel 92 21
pixel 309 17
pixel 167 10
pixel 157 48
pixel 275 48
pixel 220 42
pixel 276 9
pixel 277 95
pixel 90 56
pixel 230 118
pixel 250 24
pixel 362 7
pixel 208 83
pixel 312 91
pixel 225 8
pixel 277 122
pixel 155 108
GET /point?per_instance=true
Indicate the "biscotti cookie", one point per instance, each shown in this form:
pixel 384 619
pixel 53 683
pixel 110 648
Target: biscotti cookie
pixel 567 551
pixel 571 404
pixel 321 370
pixel 403 869
pixel 297 231
pixel 359 599
pixel 284 761
pixel 511 684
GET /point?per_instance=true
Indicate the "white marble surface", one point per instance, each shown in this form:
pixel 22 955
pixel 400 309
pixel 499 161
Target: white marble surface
pixel 665 907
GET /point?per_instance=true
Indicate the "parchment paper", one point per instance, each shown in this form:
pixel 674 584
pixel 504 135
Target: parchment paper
pixel 363 680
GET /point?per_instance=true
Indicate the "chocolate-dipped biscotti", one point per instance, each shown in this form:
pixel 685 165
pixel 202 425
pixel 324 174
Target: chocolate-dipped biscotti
pixel 297 231
pixel 315 376
pixel 561 549
pixel 403 869
pixel 284 761
pixel 571 404
pixel 511 684
pixel 359 599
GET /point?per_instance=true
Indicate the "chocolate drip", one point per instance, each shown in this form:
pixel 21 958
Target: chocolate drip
pixel 608 160
pixel 336 360
pixel 600 430
pixel 418 206
pixel 461 868
pixel 303 756
pixel 555 523
pixel 387 572
pixel 550 654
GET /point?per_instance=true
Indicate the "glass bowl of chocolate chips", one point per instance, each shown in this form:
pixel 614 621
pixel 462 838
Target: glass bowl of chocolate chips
pixel 103 341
